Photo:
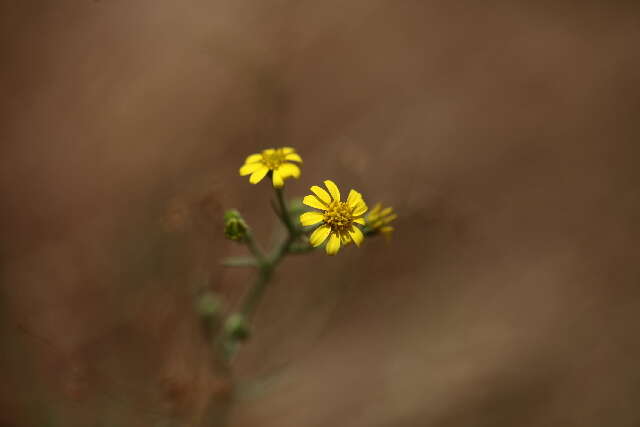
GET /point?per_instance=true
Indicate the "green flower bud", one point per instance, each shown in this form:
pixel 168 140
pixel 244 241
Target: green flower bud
pixel 234 226
pixel 237 327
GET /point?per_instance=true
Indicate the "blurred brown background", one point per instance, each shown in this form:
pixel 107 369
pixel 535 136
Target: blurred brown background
pixel 504 133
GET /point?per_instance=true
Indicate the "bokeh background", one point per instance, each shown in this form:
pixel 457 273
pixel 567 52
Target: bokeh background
pixel 504 133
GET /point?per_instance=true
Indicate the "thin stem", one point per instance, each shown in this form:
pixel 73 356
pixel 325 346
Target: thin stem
pixel 276 210
pixel 253 247
pixel 284 212
pixel 266 264
pixel 257 290
pixel 301 248
pixel 240 262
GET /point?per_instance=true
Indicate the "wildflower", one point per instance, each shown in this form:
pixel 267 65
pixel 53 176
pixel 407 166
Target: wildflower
pixel 275 161
pixel 338 218
pixel 378 220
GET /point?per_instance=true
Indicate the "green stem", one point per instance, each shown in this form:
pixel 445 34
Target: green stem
pixel 240 262
pixel 255 250
pixel 301 248
pixel 267 265
pixel 284 213
pixel 255 294
pixel 257 290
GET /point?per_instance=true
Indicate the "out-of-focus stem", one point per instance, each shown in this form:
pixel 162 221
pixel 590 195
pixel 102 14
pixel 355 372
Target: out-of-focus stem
pixel 257 253
pixel 284 213
pixel 240 262
pixel 254 296
pixel 266 265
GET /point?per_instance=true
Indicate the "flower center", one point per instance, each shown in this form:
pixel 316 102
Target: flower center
pixel 338 216
pixel 273 160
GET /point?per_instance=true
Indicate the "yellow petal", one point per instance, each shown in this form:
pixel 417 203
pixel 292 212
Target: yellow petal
pixel 310 218
pixel 253 158
pixel 386 211
pixel 333 245
pixel 375 209
pixel 377 224
pixel 319 235
pixel 345 239
pixel 289 169
pixel 294 157
pixel 250 168
pixel 287 150
pixel 333 189
pixel 278 181
pixel 321 194
pixel 258 174
pixel 268 152
pixel 390 218
pixel 354 198
pixel 359 209
pixel 360 221
pixel 314 202
pixel 356 235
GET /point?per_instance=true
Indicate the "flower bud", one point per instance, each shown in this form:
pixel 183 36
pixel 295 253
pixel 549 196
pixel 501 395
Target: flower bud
pixel 237 327
pixel 234 226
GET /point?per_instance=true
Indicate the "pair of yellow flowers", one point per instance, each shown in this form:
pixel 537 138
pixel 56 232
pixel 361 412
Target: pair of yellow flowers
pixel 337 220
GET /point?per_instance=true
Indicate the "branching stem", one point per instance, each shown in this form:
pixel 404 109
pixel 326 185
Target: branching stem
pixel 266 263
pixel 284 213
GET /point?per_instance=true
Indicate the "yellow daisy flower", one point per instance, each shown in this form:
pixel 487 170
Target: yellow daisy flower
pixel 338 218
pixel 274 160
pixel 378 220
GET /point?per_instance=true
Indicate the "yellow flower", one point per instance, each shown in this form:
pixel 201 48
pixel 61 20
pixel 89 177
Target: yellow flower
pixel 378 220
pixel 274 160
pixel 338 219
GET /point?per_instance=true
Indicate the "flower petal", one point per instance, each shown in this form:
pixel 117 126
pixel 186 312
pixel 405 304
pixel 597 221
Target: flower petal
pixel 287 150
pixel 289 169
pixel 333 189
pixel 345 239
pixel 319 235
pixel 268 152
pixel 258 174
pixel 253 158
pixel 333 245
pixel 314 202
pixel 390 218
pixel 294 157
pixel 311 218
pixel 354 198
pixel 356 235
pixel 359 209
pixel 360 221
pixel 321 194
pixel 248 169
pixel 386 211
pixel 278 181
pixel 375 209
